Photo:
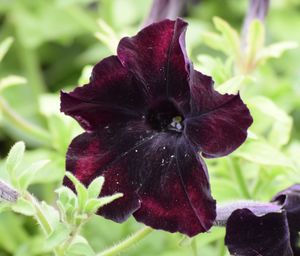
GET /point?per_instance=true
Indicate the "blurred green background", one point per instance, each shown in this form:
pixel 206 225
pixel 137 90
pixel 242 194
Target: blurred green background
pixel 54 44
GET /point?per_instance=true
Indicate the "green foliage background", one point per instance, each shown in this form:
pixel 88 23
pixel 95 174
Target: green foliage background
pixel 56 41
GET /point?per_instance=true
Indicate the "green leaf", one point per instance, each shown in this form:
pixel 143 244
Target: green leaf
pixel 10 81
pixel 14 158
pixel 280 132
pixel 80 247
pixel 4 47
pixel 232 86
pixel 51 213
pixel 107 36
pixel 24 207
pixel 230 36
pixel 85 75
pixel 263 153
pixel 185 241
pixel 65 194
pixel 57 237
pixel 276 50
pixel 81 190
pixel 214 41
pixel 27 176
pixel 95 187
pixel 108 199
pixel 215 67
pixel 67 202
pixel 255 42
pixel 92 205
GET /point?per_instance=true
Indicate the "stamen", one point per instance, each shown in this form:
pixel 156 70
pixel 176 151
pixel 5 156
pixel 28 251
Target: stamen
pixel 176 124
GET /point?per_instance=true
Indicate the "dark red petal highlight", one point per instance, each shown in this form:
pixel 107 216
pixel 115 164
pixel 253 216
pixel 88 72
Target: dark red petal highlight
pixel 220 127
pixel 112 96
pixel 89 157
pixel 157 57
pixel 251 235
pixel 176 195
pixel 108 153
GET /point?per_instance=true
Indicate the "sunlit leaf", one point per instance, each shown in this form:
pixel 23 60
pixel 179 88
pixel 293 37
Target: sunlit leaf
pixel 231 38
pixel 276 50
pixel 231 86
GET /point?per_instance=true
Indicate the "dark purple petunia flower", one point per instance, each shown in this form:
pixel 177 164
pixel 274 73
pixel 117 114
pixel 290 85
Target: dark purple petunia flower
pixel 273 234
pixel 147 115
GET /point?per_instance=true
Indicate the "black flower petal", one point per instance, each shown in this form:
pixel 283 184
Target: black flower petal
pixel 251 235
pixel 289 199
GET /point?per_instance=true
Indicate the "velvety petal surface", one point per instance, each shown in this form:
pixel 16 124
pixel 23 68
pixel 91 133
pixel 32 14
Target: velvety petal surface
pixel 176 195
pixel 157 57
pixel 251 235
pixel 87 158
pixel 112 96
pixel 217 124
pixel 289 199
pixel 167 182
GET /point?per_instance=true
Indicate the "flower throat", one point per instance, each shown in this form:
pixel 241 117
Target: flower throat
pixel 164 116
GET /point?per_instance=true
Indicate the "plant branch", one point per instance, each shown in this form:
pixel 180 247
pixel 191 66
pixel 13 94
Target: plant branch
pixel 128 242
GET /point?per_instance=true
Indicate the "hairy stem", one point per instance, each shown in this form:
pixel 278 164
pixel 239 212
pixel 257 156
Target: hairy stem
pixel 42 219
pixel 128 242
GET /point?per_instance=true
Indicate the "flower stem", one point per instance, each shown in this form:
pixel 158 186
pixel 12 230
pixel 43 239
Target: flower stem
pixel 23 124
pixel 74 233
pixel 41 219
pixel 128 242
pixel 234 166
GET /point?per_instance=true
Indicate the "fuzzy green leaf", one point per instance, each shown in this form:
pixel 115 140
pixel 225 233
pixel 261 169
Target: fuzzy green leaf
pixel 276 50
pixel 95 187
pixel 81 190
pixel 28 175
pixel 263 153
pixel 57 237
pixel 231 86
pixel 24 207
pixel 108 199
pixel 80 247
pixel 255 42
pixel 281 129
pixel 14 158
pixel 230 36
